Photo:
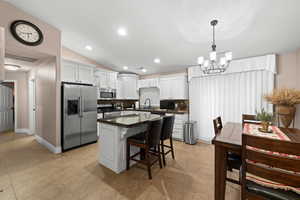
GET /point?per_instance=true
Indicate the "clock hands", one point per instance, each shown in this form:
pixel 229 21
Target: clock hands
pixel 28 34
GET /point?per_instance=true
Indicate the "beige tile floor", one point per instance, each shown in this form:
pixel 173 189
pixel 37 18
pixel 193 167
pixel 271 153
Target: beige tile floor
pixel 28 171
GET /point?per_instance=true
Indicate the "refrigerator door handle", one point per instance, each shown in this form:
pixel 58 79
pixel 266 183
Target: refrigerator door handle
pixel 82 106
pixel 79 111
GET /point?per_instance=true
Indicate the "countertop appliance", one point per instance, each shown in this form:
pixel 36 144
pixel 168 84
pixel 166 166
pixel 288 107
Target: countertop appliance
pixel 167 105
pixel 79 115
pixel 105 93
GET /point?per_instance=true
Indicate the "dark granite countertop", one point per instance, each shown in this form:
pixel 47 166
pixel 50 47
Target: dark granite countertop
pixel 130 120
pixel 163 111
pixel 153 110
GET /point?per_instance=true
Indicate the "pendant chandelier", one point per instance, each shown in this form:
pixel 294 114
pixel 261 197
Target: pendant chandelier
pixel 215 65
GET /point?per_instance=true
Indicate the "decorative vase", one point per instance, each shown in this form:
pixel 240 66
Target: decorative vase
pixel 287 114
pixel 265 126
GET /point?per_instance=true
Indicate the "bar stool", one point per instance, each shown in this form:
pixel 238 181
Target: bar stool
pixel 167 131
pixel 146 141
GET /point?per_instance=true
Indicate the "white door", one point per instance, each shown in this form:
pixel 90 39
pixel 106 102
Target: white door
pixel 32 106
pixel 6 109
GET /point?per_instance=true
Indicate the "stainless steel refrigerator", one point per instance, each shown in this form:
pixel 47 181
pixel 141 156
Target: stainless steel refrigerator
pixel 79 115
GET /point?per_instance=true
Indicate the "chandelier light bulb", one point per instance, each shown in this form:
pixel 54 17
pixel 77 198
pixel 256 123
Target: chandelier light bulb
pixel 206 62
pixel 228 56
pixel 222 61
pixel 213 56
pixel 200 60
pixel 215 63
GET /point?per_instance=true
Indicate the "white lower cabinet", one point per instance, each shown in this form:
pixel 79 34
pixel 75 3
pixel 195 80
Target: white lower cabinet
pixel 112 145
pixel 180 119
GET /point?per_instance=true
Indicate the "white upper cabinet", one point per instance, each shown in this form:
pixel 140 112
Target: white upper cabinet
pixel 85 74
pixel 69 72
pixel 112 80
pixel 174 87
pixel 106 79
pixel 77 73
pixel 127 86
pixel 146 83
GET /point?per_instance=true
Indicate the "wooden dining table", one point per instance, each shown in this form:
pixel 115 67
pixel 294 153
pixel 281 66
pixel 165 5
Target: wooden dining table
pixel 230 140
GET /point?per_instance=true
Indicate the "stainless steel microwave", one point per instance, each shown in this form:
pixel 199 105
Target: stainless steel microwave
pixel 107 93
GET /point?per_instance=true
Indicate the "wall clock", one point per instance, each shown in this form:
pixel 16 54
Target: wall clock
pixel 26 33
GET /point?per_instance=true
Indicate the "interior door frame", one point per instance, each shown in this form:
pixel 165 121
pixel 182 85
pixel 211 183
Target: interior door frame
pixel 15 101
pixel 32 102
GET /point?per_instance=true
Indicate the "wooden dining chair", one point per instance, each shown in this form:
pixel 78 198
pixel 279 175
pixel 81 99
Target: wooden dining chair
pixel 234 161
pixel 217 125
pixel 270 167
pixel 146 141
pixel 246 118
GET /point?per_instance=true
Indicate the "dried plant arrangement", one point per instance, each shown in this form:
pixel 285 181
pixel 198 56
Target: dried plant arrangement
pixel 285 101
pixel 284 96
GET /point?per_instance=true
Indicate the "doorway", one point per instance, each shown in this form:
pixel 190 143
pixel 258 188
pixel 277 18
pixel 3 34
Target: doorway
pixel 32 106
pixel 7 106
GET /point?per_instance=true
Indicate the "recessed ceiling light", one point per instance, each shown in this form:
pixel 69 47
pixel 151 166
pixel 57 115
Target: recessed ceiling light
pixel 157 60
pixel 125 67
pixel 88 47
pixel 144 70
pixel 122 31
pixel 11 67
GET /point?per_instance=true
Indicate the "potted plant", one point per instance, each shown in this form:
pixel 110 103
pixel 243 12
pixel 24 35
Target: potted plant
pixel 265 118
pixel 285 101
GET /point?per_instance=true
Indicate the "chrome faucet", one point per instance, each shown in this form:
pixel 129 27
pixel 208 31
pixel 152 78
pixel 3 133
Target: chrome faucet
pixel 148 99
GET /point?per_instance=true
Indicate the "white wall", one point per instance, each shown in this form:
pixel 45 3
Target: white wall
pixel 152 93
pixel 2 52
pixel 46 118
pixel 288 75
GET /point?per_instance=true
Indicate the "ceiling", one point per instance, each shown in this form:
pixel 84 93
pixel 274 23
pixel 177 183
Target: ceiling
pixel 25 66
pixel 176 31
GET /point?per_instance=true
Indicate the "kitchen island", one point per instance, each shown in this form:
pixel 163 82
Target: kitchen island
pixel 113 136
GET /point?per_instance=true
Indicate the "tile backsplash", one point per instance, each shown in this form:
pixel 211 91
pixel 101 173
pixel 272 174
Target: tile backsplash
pixel 152 93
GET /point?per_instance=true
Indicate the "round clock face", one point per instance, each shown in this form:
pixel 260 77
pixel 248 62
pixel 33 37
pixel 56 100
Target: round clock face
pixel 26 33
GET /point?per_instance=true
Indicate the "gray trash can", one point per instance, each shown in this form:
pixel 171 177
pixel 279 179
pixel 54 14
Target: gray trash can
pixel 189 134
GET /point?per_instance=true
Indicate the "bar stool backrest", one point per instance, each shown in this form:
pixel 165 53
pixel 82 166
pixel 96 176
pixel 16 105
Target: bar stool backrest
pixel 167 128
pixel 154 133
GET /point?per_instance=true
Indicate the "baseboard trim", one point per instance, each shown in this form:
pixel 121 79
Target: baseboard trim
pixel 48 145
pixel 205 140
pixel 23 130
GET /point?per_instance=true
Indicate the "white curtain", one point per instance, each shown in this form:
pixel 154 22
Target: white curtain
pixel 228 96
